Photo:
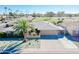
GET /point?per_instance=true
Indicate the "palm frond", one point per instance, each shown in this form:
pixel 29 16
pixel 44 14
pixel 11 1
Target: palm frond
pixel 21 26
pixel 10 48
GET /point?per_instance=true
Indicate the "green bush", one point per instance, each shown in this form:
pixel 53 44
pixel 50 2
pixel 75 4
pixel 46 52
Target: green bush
pixel 13 35
pixel 10 35
pixel 17 35
pixel 2 34
pixel 66 33
pixel 59 21
pixel 45 19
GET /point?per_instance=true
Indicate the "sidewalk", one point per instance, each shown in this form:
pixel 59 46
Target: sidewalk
pixel 67 43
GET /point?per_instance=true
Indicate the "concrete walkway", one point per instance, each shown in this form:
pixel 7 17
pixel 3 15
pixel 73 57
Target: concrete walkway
pixel 68 44
pixel 53 46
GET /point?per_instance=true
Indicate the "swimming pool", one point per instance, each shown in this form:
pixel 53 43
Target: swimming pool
pixel 41 37
pixel 49 36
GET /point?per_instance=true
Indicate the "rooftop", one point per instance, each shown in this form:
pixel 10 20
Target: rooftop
pixel 6 29
pixel 46 26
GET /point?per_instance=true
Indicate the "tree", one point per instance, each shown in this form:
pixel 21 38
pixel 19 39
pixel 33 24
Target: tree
pixel 39 15
pixel 10 10
pixel 70 15
pixel 21 14
pixel 21 26
pixel 5 9
pixel 16 13
pixel 60 14
pixel 11 14
pixel 50 14
pixel 34 15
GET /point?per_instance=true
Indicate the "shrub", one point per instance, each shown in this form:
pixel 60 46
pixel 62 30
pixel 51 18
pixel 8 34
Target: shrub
pixel 3 34
pixel 13 35
pixel 59 21
pixel 10 35
pixel 17 35
pixel 66 33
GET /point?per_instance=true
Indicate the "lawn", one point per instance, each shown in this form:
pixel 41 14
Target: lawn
pixel 49 19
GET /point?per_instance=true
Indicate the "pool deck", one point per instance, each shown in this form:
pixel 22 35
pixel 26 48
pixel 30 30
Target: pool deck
pixel 53 46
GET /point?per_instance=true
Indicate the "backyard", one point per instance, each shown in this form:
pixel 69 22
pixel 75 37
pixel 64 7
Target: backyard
pixel 36 45
pixel 23 26
pixel 37 32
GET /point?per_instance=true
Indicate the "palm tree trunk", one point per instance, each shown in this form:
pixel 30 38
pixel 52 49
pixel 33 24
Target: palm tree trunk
pixel 25 39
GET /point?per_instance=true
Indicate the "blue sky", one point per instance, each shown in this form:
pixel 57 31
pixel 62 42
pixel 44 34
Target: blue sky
pixel 42 8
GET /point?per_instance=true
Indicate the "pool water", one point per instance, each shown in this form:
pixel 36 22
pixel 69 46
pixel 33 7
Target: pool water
pixel 41 37
pixel 13 39
pixel 49 37
pixel 45 37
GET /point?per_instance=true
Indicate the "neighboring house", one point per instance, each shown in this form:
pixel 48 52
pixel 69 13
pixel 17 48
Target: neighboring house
pixel 47 28
pixel 72 26
pixel 8 29
pixel 76 31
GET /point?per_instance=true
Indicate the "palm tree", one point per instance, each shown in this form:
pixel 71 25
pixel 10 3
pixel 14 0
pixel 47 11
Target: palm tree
pixel 5 13
pixel 17 13
pixel 21 26
pixel 10 10
pixel 5 10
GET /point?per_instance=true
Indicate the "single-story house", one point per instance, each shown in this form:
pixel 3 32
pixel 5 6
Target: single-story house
pixel 73 30
pixel 72 26
pixel 47 28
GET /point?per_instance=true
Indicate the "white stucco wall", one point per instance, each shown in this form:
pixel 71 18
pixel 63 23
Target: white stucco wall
pixel 49 32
